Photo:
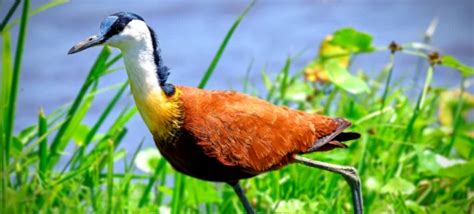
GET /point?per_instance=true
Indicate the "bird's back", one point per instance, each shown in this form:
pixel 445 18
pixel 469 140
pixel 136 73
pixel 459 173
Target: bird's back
pixel 242 133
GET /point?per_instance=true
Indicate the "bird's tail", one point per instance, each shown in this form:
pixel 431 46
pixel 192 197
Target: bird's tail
pixel 335 139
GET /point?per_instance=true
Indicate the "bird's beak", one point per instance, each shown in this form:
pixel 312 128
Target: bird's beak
pixel 91 41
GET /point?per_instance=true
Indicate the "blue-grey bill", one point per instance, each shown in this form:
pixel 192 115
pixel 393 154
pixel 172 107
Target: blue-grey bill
pixel 87 43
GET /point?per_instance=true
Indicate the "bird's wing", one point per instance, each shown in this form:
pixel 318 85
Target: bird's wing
pixel 247 132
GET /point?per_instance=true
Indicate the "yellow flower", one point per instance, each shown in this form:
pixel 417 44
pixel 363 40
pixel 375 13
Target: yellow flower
pixel 315 71
pixel 448 104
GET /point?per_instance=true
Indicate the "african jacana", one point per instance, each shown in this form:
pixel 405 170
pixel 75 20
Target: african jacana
pixel 217 135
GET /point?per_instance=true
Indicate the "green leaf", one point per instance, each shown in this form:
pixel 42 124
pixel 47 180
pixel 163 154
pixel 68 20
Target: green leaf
pixel 399 185
pixel 427 162
pixel 436 164
pixel 165 190
pixel 345 80
pixel 27 134
pixel 353 40
pixel 122 153
pixel 453 63
pixel 460 170
pixel 464 145
pixel 80 133
pixel 16 147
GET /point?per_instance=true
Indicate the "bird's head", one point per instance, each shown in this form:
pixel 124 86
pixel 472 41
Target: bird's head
pixel 120 30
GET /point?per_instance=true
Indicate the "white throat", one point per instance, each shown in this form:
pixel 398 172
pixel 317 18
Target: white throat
pixel 141 70
pixel 135 42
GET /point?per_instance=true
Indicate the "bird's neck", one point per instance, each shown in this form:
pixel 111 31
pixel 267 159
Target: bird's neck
pixel 157 101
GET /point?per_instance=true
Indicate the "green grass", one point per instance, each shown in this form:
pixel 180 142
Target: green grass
pixel 410 160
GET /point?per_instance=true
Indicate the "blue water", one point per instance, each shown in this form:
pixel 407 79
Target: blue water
pixel 190 33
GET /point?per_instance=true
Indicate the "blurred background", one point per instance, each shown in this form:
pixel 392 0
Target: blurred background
pixel 190 33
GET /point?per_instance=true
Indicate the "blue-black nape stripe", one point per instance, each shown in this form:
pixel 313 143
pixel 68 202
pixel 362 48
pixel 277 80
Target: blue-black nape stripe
pixel 161 70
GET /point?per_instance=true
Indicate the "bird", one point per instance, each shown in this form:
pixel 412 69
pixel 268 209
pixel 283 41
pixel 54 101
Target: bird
pixel 214 135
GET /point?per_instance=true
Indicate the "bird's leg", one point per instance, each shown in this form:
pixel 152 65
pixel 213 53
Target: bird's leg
pixel 243 199
pixel 349 173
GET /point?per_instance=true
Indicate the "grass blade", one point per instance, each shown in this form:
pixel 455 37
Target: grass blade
pixel 284 80
pixel 110 174
pixel 4 97
pixel 7 69
pixel 11 109
pixel 247 77
pixel 151 181
pixel 10 13
pixel 222 47
pixel 124 117
pixel 389 67
pixel 178 189
pixel 457 116
pixel 43 147
pixel 113 60
pixel 52 3
pixel 426 85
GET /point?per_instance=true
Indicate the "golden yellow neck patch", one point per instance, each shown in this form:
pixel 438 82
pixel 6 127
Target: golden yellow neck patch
pixel 162 114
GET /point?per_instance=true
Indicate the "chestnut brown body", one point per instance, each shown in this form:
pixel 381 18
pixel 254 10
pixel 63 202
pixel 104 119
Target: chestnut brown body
pixel 227 136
